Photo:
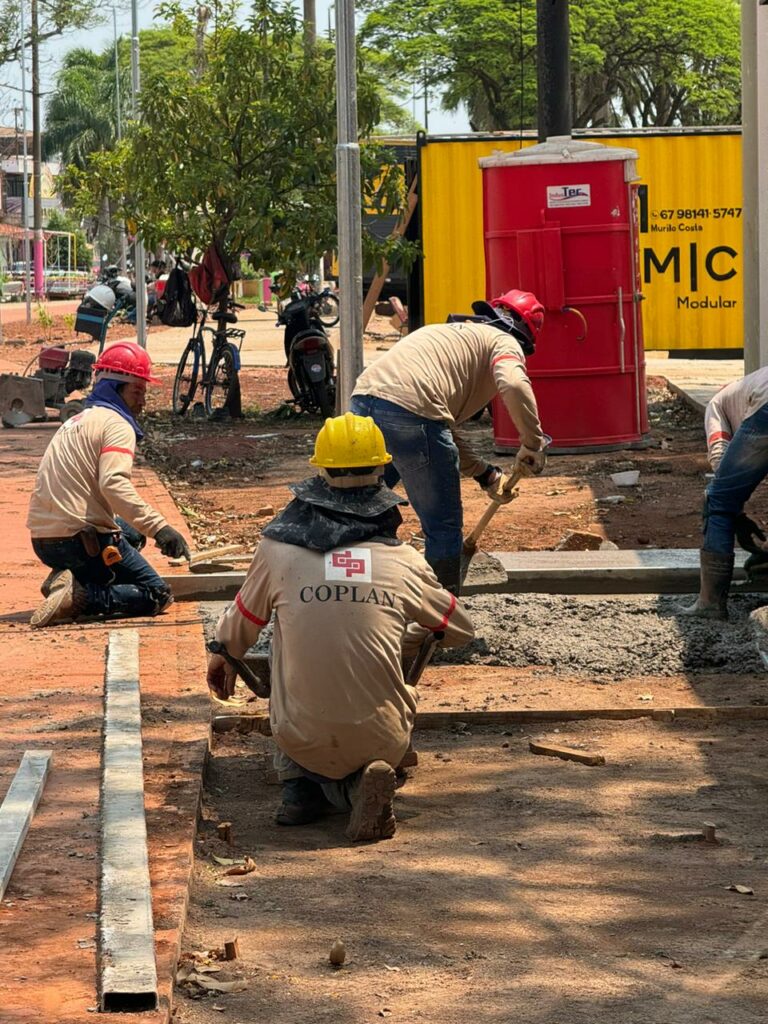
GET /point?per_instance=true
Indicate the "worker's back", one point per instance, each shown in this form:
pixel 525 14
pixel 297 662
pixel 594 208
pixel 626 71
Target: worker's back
pixel 339 699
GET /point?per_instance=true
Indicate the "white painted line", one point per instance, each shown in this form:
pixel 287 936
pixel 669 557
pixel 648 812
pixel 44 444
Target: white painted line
pixel 128 975
pixel 19 807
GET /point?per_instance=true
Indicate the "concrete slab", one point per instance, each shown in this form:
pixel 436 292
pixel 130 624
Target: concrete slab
pixel 653 571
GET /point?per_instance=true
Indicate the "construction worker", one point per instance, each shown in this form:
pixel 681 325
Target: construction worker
pixel 83 484
pixel 736 423
pixel 429 384
pixel 344 591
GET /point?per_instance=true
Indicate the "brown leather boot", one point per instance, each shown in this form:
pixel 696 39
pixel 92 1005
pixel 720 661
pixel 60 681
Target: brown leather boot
pixel 53 581
pixel 373 816
pixel 716 575
pixel 65 603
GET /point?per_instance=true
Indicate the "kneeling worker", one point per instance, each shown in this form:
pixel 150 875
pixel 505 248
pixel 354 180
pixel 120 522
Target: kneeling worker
pixel 83 485
pixel 344 591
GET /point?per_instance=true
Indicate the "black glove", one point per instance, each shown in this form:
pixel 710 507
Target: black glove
pixel 746 532
pixel 171 543
pixel 487 475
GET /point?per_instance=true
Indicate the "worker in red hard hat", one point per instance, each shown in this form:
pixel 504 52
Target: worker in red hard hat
pixel 425 387
pixel 86 519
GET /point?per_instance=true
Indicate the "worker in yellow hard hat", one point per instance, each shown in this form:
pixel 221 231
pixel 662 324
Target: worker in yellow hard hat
pixel 344 592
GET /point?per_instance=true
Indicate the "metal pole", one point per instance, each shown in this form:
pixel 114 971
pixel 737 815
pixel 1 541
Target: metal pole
pixel 25 170
pixel 554 73
pixel 119 127
pixel 37 160
pixel 754 120
pixel 348 204
pixel 138 246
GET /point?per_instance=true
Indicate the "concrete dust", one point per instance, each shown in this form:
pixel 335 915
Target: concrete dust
pixel 615 636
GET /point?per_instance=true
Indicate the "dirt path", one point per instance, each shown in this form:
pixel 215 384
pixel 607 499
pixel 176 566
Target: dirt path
pixel 517 887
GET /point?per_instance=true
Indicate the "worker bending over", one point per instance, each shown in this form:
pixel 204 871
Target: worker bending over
pixel 344 591
pixel 736 422
pixel 83 485
pixel 430 383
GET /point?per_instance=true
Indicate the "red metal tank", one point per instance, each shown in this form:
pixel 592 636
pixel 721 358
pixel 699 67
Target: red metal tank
pixel 560 220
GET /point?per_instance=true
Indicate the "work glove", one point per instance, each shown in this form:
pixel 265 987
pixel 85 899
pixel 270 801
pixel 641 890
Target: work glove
pixel 493 481
pixel 171 543
pixel 528 462
pixel 221 676
pixel 749 534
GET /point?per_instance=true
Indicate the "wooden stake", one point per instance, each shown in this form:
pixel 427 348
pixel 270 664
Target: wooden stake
pixel 232 949
pixel 224 829
pixel 565 753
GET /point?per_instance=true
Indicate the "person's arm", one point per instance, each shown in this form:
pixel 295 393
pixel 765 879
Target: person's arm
pixel 240 625
pixel 717 426
pixel 470 463
pixel 434 609
pixel 514 387
pixel 114 479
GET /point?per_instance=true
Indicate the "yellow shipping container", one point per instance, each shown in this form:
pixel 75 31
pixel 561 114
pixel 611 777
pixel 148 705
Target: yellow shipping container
pixel 690 241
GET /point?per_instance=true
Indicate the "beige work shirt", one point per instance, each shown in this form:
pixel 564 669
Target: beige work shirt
pixel 339 699
pixel 728 409
pixel 448 372
pixel 84 479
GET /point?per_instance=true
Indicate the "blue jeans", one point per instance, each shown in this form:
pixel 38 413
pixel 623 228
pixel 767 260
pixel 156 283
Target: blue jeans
pixel 426 459
pixel 300 785
pixel 744 465
pixel 128 588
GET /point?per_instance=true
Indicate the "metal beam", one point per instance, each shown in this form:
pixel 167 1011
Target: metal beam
pixel 553 68
pixel 754 88
pixel 127 971
pixel 19 807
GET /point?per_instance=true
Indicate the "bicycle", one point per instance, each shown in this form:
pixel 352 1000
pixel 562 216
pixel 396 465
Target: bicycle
pixel 219 376
pixel 325 303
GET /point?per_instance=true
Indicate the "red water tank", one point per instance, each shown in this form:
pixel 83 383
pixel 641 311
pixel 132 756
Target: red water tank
pixel 560 220
pixel 53 358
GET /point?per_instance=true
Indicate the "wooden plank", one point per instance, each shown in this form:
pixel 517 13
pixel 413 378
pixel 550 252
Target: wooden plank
pixel 127 971
pixel 19 808
pixel 565 753
pixel 451 719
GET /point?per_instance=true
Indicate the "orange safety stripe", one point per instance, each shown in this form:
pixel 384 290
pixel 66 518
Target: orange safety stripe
pixel 114 448
pixel 444 621
pixel 720 435
pixel 510 355
pixel 249 615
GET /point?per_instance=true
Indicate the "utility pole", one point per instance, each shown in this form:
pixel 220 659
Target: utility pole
pixel 348 203
pixel 310 24
pixel 554 71
pixel 754 107
pixel 119 126
pixel 25 169
pixel 138 245
pixel 37 160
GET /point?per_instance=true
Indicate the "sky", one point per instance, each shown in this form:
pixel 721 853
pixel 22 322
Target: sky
pixel 101 35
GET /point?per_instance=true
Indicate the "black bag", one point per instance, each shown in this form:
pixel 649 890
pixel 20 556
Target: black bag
pixel 177 304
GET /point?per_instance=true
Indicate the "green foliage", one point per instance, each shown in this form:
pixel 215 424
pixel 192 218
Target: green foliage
pixel 242 153
pixel 638 62
pixel 54 18
pixel 57 247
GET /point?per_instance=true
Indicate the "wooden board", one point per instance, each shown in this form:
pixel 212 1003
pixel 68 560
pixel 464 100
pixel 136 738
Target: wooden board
pixel 565 753
pixel 127 971
pixel 19 807
pixel 459 719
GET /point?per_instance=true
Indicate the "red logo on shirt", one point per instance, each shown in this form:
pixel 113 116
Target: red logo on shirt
pixel 352 566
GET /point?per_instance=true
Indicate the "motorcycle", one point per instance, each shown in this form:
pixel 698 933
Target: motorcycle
pixel 309 357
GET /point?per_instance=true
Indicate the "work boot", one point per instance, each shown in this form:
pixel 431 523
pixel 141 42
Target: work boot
pixel 716 575
pixel 303 803
pixel 65 603
pixel 52 581
pixel 373 816
pixel 448 572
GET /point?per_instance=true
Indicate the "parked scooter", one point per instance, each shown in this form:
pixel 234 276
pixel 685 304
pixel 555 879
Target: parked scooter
pixel 309 356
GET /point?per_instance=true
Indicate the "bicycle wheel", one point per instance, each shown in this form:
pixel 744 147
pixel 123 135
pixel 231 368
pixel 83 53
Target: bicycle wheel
pixel 187 372
pixel 328 310
pixel 222 381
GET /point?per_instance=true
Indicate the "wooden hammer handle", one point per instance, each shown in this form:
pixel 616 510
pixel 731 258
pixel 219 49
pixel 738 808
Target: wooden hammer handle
pixel 472 538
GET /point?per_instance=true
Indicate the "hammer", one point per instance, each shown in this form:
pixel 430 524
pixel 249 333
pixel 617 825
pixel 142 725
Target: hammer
pixel 249 677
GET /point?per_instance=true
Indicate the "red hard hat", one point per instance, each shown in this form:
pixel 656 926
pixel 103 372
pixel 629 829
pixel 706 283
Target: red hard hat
pixel 527 307
pixel 123 360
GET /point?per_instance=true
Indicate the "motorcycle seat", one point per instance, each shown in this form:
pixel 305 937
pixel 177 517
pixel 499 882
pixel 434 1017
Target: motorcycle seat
pixel 227 317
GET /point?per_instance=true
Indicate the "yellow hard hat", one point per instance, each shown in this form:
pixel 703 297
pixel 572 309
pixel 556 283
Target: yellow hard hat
pixel 350 442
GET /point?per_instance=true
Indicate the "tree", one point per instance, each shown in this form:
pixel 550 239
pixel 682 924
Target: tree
pixel 640 62
pixel 241 154
pixel 56 17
